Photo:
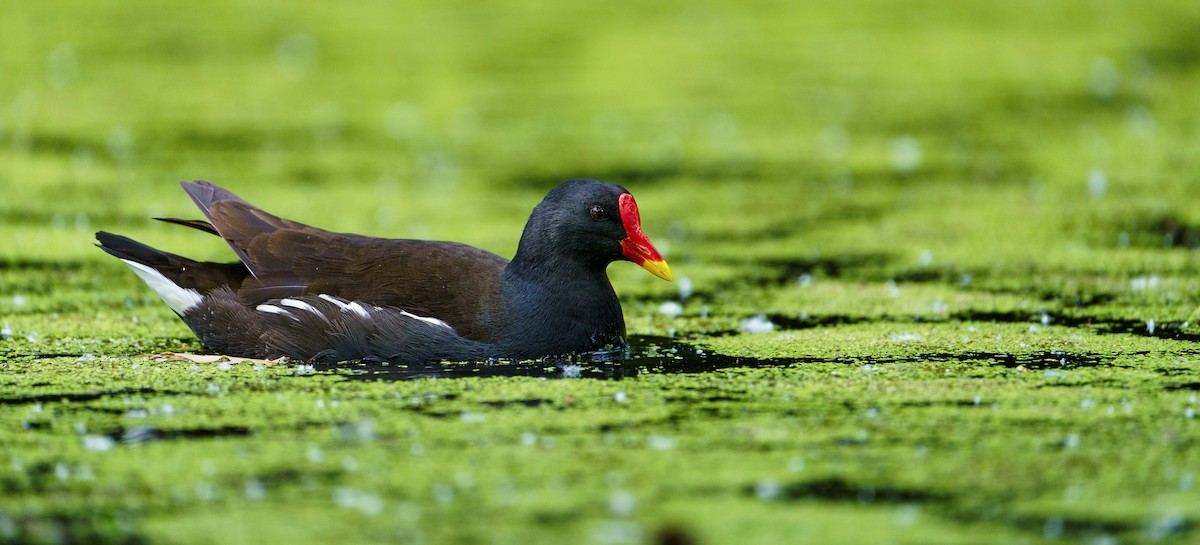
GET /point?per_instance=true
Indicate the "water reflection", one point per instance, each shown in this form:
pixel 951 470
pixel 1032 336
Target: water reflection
pixel 648 354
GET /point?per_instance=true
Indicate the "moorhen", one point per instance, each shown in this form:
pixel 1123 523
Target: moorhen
pixel 315 295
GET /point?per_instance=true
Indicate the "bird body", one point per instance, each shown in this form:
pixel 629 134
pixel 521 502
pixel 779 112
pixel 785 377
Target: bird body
pixel 311 294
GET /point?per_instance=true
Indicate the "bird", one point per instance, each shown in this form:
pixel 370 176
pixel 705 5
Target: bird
pixel 313 295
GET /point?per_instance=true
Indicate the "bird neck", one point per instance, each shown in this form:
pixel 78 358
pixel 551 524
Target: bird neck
pixel 557 305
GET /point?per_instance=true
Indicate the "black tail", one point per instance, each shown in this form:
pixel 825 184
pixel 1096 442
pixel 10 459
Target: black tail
pixel 194 224
pixel 184 272
pixel 127 248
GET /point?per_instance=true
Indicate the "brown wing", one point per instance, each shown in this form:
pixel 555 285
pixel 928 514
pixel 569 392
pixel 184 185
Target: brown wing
pixel 453 282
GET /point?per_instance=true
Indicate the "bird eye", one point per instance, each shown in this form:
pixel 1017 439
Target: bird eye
pixel 598 213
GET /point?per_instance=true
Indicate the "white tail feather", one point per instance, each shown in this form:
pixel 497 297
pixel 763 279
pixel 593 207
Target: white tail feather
pixel 179 299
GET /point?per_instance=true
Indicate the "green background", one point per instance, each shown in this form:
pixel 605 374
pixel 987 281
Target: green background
pixel 971 224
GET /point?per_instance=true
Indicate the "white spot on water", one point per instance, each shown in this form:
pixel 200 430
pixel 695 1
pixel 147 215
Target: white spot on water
pixel 1105 78
pixel 906 337
pixel 571 370
pixel 471 417
pixel 660 442
pixel 685 287
pixel 906 154
pixel 1140 122
pixel 619 397
pixel 1189 413
pixel 61 66
pixel 1072 441
pixel 670 309
pixel 120 144
pixel 834 142
pixel 1052 529
pixel 1150 326
pixel 756 324
pixel 925 259
pixel 1097 183
pixel 32 336
pixel 767 489
pixel 353 498
pixel 618 532
pixel 621 503
pixel 443 493
pixel 98 443
pixel 360 431
pixel 254 490
pixel 6 333
pixel 907 515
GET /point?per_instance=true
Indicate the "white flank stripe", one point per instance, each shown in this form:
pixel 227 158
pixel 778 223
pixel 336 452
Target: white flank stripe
pixel 426 319
pixel 272 309
pixel 179 299
pixel 357 309
pixel 294 303
pixel 333 300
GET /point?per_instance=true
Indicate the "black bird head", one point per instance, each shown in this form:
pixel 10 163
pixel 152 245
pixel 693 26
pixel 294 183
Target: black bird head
pixel 590 222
